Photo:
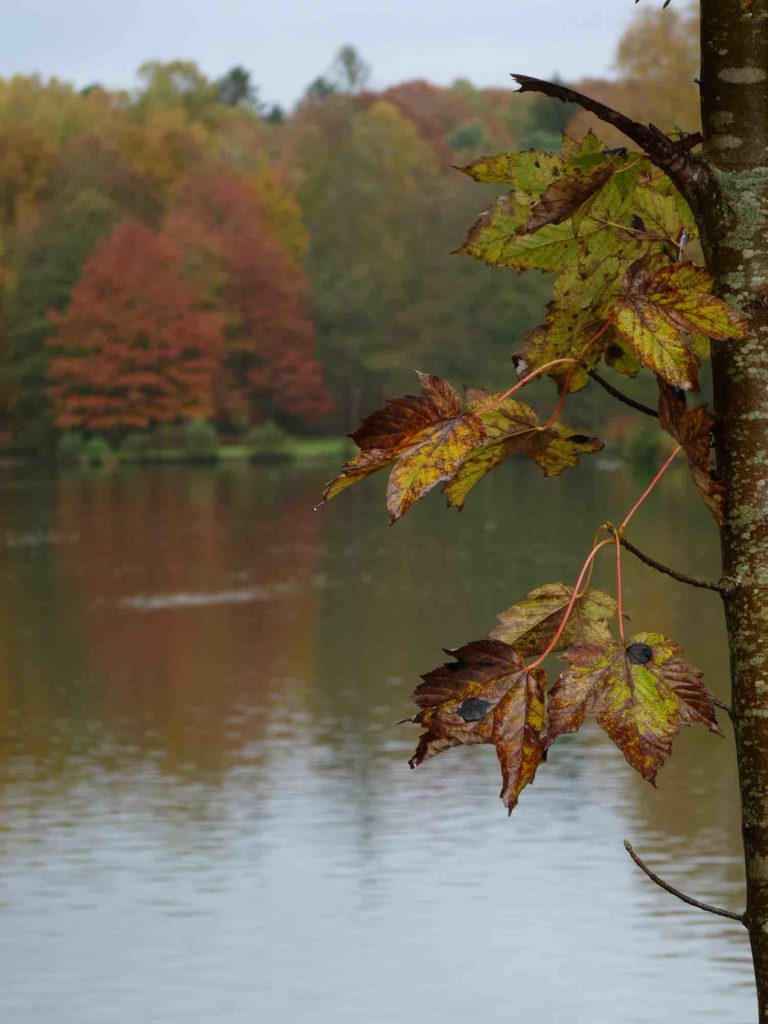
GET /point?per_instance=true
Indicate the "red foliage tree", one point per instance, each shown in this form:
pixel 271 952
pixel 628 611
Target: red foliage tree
pixel 136 347
pixel 221 224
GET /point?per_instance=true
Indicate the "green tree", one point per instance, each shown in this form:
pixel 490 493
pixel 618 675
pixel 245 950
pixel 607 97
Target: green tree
pixel 383 210
pixel 365 171
pixel 236 89
pixel 167 85
pixel 616 228
pixel 46 270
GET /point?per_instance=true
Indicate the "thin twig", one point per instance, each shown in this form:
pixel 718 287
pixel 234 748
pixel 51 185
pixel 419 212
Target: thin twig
pixel 681 577
pixel 730 914
pixel 621 396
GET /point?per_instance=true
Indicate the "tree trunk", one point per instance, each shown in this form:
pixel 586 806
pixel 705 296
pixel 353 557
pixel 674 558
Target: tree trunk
pixel 734 227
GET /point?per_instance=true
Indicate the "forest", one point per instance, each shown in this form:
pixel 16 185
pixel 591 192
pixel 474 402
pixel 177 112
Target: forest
pixel 184 260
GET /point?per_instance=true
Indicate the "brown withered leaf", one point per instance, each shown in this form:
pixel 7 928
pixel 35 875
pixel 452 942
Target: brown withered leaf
pixel 566 195
pixel 513 428
pixel 530 624
pixel 660 305
pixel 425 436
pixel 640 695
pixel 692 428
pixel 393 427
pixel 485 696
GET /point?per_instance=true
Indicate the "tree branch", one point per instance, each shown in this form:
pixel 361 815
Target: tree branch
pixel 681 577
pixel 669 155
pixel 621 396
pixel 741 918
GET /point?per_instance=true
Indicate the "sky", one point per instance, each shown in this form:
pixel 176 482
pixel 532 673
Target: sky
pixel 287 43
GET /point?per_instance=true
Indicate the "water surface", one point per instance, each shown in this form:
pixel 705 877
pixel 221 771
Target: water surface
pixel 206 813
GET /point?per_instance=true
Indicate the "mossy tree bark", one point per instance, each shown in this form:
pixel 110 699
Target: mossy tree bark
pixel 733 218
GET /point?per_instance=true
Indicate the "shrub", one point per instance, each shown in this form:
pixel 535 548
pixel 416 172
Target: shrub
pixel 135 445
pixel 69 447
pixel 201 442
pixel 268 440
pixel 96 452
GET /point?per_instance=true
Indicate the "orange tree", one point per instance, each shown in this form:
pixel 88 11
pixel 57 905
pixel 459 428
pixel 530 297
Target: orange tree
pixel 620 228
pixel 134 347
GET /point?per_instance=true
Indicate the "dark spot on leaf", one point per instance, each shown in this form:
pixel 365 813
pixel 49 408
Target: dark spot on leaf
pixel 474 709
pixel 639 654
pixel 613 352
pixel 578 438
pixel 616 151
pixel 677 392
pixel 638 223
pixel 455 666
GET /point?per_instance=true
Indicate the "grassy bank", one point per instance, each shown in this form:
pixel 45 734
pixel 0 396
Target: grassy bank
pixel 295 449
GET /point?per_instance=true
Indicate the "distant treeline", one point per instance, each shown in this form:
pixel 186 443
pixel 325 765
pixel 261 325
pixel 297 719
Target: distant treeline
pixel 184 251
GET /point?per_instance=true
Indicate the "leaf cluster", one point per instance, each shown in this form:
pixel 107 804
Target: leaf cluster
pixel 616 235
pixel 640 691
pixel 438 437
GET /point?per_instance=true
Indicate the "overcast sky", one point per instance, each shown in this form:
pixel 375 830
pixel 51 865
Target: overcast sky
pixel 287 43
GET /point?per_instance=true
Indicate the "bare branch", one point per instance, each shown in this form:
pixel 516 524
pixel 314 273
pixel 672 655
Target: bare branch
pixel 670 155
pixel 730 914
pixel 621 396
pixel 681 577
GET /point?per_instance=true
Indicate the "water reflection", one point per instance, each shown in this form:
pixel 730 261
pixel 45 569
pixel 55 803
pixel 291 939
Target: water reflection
pixel 206 812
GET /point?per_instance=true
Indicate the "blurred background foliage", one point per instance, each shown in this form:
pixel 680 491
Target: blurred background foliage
pixel 186 252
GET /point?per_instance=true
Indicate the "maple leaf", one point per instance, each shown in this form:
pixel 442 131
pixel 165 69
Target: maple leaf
pixel 692 428
pixel 530 171
pixel 640 694
pixel 495 238
pixel 426 436
pixel 485 696
pixel 513 428
pixel 567 332
pixel 530 624
pixel 661 303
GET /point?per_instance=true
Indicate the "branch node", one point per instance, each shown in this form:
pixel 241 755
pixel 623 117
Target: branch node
pixel 730 914
pixel 728 585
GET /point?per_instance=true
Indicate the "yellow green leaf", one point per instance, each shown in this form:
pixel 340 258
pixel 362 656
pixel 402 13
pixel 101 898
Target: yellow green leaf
pixel 494 239
pixel 530 171
pixel 530 624
pixel 640 694
pixel 513 428
pixel 438 451
pixel 661 304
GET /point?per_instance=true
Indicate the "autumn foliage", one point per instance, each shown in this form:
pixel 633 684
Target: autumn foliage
pixel 135 346
pixel 220 223
pixel 628 298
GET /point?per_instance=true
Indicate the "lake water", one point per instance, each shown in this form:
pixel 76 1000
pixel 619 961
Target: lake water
pixel 206 813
